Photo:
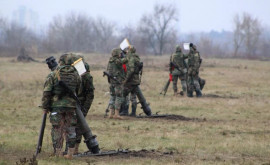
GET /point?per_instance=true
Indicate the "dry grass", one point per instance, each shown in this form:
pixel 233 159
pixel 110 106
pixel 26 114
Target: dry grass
pixel 236 130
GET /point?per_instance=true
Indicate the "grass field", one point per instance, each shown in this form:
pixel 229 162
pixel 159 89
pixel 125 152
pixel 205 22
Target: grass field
pixel 233 125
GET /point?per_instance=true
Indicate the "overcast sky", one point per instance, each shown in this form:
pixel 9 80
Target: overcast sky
pixel 194 15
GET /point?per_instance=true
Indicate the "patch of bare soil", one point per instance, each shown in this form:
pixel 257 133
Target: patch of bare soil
pixel 171 117
pixel 220 96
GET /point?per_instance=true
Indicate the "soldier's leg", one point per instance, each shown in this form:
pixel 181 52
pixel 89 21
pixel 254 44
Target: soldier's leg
pixel 190 86
pixel 202 82
pixel 175 79
pixel 57 132
pixel 70 128
pixel 124 106
pixel 112 101
pixel 133 100
pixel 197 86
pixel 145 106
pixel 184 84
pixel 118 101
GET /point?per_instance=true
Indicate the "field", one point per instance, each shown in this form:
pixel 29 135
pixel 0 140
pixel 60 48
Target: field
pixel 230 123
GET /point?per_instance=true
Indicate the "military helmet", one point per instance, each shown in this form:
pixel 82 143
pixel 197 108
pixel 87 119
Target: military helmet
pixel 52 64
pixel 68 58
pixel 132 49
pixel 178 48
pixel 116 51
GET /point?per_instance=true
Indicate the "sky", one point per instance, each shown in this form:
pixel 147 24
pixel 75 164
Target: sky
pixel 193 15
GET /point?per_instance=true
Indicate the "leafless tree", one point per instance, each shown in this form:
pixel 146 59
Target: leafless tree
pixel 158 28
pixel 246 33
pixel 74 32
pixel 104 35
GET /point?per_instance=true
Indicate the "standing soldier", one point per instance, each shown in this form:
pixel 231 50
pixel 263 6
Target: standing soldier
pixel 179 70
pixel 133 79
pixel 86 97
pixel 116 70
pixel 62 106
pixel 194 62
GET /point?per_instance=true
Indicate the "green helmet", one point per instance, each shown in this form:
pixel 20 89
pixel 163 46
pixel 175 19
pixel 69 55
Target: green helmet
pixel 132 49
pixel 178 48
pixel 116 51
pixel 68 58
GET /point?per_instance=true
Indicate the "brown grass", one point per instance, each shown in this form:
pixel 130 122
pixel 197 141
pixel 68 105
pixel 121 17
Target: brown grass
pixel 236 130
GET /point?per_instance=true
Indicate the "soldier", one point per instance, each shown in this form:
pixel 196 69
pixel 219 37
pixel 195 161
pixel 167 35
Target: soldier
pixel 62 106
pixel 86 97
pixel 194 62
pixel 133 79
pixel 116 70
pixel 178 60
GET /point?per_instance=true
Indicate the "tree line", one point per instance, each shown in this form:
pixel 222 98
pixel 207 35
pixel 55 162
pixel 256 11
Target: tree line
pixel 156 33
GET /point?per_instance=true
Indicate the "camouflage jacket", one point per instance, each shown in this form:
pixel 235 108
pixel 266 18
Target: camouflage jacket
pixel 194 61
pixel 132 76
pixel 86 92
pixel 115 68
pixel 178 58
pixel 54 96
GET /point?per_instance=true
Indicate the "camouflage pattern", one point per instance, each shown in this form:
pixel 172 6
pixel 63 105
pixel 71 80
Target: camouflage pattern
pixel 178 58
pixel 86 96
pixel 60 104
pixel 132 76
pixel 193 69
pixel 115 68
pixel 132 80
pixel 63 122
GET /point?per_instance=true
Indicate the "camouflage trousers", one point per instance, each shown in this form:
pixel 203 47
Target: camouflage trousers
pixel 135 91
pixel 116 92
pixel 183 78
pixel 193 83
pixel 130 98
pixel 63 123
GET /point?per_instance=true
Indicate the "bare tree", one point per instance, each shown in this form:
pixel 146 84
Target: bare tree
pixel 238 35
pixel 246 33
pixel 104 35
pixel 157 28
pixel 74 32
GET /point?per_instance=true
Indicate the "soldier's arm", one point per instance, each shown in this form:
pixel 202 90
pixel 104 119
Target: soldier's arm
pixel 197 62
pixel 47 93
pixel 89 93
pixel 131 70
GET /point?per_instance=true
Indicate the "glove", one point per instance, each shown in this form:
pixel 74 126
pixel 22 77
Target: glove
pixel 170 75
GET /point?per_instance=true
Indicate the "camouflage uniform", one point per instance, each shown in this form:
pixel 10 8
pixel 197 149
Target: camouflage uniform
pixel 61 106
pixel 194 62
pixel 133 80
pixel 86 97
pixel 178 58
pixel 116 90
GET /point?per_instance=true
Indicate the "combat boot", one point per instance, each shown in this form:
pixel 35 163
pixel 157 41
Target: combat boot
pixel 111 114
pixel 76 151
pixel 70 153
pixel 133 112
pixel 198 93
pixel 124 111
pixel 116 115
pixel 190 94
